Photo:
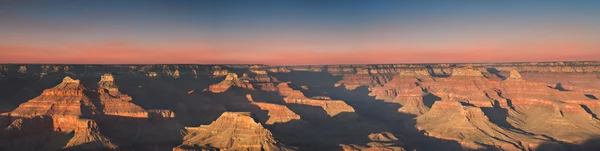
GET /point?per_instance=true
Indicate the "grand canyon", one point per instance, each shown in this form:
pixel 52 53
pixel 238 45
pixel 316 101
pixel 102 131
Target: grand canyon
pixel 380 107
pixel 299 75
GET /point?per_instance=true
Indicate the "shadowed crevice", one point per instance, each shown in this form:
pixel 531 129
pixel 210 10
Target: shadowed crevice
pixel 591 96
pixel 495 72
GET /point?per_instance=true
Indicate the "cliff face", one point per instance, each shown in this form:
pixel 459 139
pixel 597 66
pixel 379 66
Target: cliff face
pixel 505 106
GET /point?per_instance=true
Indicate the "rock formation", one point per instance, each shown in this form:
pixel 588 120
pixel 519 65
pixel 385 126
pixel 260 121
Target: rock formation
pixel 466 72
pixel 87 137
pixel 484 106
pixel 65 99
pixel 114 102
pixel 471 127
pixel 231 131
pixel 277 113
pixel 332 107
pixel 230 80
pixel 514 75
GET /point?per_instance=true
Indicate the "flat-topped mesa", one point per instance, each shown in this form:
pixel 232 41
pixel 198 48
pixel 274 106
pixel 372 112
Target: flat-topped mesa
pixel 278 69
pixel 231 131
pixel 515 76
pixel 65 99
pixel 285 90
pixel 277 113
pixel 231 80
pixel 466 72
pixel 265 82
pixel 114 102
pixel 331 107
pixel 356 77
pixel 414 73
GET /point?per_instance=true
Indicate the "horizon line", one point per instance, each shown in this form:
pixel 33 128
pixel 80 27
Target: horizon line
pixel 500 62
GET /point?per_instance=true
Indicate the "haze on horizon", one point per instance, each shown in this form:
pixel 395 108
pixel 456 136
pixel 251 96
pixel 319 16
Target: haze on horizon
pixel 297 32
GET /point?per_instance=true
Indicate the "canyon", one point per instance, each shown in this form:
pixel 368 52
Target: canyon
pixel 388 107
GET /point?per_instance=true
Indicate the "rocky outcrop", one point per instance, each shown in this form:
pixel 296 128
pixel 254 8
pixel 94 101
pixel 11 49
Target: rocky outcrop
pixel 384 141
pixel 331 107
pixel 400 89
pixel 114 102
pixel 30 125
pixel 85 133
pixel 231 131
pixel 218 71
pixel 354 77
pixel 87 137
pixel 471 127
pixel 277 113
pixel 65 99
pixel 466 72
pixel 231 80
pixel 515 76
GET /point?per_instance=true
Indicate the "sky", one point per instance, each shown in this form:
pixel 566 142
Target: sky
pixel 295 32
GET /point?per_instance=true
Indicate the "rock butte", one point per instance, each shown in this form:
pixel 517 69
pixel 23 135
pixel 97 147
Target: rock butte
pixel 231 131
pixel 502 106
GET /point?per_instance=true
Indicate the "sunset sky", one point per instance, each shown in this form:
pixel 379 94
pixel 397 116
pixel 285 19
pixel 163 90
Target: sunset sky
pixel 297 32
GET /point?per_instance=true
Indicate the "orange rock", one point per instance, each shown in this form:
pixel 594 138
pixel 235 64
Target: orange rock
pixel 87 137
pixel 231 131
pixel 67 99
pixel 114 102
pixel 231 80
pixel 277 113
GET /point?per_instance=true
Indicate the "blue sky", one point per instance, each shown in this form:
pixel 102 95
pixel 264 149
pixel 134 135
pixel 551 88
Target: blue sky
pixel 337 31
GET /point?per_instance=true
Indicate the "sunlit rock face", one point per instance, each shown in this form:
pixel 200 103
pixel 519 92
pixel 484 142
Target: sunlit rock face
pixel 505 106
pixel 231 80
pixel 114 102
pixel 66 98
pixel 232 131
